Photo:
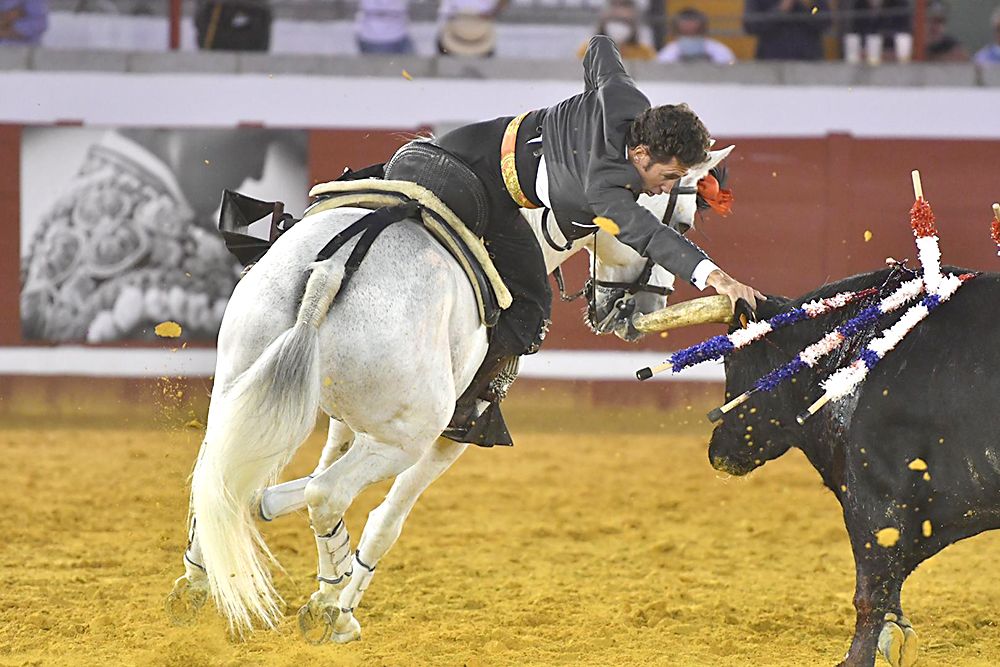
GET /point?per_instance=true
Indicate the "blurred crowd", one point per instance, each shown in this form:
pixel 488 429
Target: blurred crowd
pixel 871 31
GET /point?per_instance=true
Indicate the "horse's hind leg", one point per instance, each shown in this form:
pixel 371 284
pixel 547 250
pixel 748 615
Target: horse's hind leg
pixel 328 495
pixel 384 525
pixel 290 496
pixel 190 592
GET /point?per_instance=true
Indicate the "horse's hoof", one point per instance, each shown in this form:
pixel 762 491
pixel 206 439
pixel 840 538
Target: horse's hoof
pixel 316 621
pixel 911 646
pixel 185 601
pixel 890 643
pixel 348 630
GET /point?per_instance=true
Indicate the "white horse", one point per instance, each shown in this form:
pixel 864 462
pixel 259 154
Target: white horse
pixel 386 360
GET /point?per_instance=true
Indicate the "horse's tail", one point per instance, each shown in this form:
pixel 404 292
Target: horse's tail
pixel 255 425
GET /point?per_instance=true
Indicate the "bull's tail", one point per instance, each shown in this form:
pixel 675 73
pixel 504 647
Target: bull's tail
pixel 255 425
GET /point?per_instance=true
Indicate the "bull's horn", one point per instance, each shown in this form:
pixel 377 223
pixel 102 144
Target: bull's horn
pixel 703 310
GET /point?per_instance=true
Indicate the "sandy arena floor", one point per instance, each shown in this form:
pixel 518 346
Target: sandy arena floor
pixel 602 538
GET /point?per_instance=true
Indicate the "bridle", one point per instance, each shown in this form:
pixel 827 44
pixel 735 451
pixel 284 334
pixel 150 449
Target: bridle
pixel 622 293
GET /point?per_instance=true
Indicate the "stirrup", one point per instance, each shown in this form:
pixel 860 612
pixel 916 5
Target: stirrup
pixel 486 429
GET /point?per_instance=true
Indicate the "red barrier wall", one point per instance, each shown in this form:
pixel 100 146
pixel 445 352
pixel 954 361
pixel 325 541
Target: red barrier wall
pixel 801 211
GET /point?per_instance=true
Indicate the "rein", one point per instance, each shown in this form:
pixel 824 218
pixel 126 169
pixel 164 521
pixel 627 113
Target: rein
pixel 639 285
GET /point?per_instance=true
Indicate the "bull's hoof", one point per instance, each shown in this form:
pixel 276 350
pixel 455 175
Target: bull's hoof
pixel 911 647
pixel 186 600
pixel 316 620
pixel 347 629
pixel 898 643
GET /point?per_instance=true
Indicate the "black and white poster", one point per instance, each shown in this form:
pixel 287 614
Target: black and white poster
pixel 119 227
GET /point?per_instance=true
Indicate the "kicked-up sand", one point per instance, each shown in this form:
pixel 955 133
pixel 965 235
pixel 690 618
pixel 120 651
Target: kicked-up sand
pixel 602 538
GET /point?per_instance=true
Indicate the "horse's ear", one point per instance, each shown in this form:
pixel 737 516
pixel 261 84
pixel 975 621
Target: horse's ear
pixel 715 157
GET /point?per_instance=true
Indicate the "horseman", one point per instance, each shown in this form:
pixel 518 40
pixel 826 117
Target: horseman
pixel 589 156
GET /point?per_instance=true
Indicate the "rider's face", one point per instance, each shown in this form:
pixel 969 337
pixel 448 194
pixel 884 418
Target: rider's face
pixel 657 177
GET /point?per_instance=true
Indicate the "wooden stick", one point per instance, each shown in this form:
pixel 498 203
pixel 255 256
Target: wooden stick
pixel 996 211
pixel 813 409
pixel 918 190
pixel 716 414
pixel 648 372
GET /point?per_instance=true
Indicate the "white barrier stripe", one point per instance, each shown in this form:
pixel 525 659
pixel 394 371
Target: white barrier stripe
pixel 148 363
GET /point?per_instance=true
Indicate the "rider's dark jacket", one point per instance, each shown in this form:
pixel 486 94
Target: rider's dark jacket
pixel 583 142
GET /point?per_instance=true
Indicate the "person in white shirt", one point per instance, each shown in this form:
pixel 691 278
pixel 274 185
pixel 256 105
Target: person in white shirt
pixel 383 26
pixel 691 43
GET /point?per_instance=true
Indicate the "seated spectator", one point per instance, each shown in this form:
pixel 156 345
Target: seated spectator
pixel 941 46
pixel 691 44
pixel 787 29
pixel 990 54
pixel 233 25
pixel 383 26
pixel 620 22
pixel 468 27
pixel 23 21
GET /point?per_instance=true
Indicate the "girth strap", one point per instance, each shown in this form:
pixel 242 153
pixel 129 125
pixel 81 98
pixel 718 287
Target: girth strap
pixel 369 227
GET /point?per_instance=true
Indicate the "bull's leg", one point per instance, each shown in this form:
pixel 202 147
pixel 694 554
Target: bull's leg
pixel 898 641
pixel 876 597
pixel 328 495
pixel 384 525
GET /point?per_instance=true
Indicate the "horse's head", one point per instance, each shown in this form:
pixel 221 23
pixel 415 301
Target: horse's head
pixel 626 283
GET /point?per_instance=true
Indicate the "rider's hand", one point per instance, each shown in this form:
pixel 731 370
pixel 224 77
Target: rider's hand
pixel 723 283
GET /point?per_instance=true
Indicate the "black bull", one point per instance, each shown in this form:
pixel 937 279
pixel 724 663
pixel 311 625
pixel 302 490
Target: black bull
pixel 934 398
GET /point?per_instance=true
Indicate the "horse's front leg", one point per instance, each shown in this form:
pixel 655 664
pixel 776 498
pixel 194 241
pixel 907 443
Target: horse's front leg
pixel 385 523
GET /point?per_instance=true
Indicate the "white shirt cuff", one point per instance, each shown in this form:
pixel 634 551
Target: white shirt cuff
pixel 700 275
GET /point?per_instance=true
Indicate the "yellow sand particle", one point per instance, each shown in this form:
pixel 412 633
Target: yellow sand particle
pixel 927 477
pixel 168 329
pixel 815 10
pixel 926 528
pixel 917 464
pixel 868 235
pixel 407 75
pixel 608 225
pixel 887 537
pixel 327 381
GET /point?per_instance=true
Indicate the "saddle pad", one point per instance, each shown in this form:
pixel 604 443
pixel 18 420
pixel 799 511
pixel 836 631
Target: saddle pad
pixel 467 249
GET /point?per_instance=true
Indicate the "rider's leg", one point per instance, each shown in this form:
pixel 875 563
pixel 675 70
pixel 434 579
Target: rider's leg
pixel 520 330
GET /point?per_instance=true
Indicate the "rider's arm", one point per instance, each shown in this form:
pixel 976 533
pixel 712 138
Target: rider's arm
pixel 641 231
pixel 602 64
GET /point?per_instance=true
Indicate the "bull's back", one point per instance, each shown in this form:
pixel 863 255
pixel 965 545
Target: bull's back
pixel 934 401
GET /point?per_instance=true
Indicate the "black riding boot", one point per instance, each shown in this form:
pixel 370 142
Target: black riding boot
pixel 491 382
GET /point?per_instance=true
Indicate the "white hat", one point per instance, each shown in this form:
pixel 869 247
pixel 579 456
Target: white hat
pixel 468 35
